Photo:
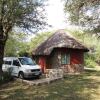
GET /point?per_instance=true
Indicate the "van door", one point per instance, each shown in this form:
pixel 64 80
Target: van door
pixel 15 66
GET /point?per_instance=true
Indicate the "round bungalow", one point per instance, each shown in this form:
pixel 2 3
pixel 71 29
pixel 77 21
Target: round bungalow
pixel 60 51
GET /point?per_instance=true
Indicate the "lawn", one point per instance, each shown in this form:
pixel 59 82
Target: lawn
pixel 85 86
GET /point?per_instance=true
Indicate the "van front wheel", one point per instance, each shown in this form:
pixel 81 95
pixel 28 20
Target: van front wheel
pixel 21 75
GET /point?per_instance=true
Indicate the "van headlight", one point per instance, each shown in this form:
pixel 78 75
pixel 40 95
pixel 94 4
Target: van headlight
pixel 28 70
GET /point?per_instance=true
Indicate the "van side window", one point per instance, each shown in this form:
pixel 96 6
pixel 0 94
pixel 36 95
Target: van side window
pixel 7 62
pixel 16 63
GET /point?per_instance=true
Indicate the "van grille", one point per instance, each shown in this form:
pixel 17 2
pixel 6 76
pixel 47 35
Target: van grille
pixel 34 70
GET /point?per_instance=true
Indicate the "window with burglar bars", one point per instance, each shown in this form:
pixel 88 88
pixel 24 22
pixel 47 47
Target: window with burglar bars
pixel 65 58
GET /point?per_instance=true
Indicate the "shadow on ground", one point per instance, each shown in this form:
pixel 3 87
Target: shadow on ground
pixel 84 86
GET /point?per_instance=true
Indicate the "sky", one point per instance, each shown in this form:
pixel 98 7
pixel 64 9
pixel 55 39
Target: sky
pixel 55 14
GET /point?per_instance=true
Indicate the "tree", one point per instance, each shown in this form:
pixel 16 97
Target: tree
pixel 92 58
pixel 85 13
pixel 38 39
pixel 26 14
pixel 21 44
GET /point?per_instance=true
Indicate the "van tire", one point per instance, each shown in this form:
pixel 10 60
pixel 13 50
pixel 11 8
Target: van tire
pixel 21 75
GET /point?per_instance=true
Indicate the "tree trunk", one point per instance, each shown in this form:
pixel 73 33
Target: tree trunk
pixel 3 39
pixel 2 45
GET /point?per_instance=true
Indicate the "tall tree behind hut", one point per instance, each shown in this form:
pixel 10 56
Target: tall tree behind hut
pixel 85 13
pixel 20 39
pixel 25 14
pixel 37 40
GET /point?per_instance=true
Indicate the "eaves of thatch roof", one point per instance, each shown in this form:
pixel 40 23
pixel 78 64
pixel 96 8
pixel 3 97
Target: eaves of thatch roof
pixel 60 39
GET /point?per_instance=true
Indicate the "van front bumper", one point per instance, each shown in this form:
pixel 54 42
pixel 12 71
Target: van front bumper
pixel 30 75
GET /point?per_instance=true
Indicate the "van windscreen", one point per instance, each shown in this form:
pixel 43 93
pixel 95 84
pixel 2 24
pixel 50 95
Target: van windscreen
pixel 26 61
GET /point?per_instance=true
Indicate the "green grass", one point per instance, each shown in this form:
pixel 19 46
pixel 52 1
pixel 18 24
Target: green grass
pixel 85 86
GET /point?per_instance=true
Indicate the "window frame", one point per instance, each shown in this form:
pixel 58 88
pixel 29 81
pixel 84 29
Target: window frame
pixel 7 62
pixel 66 58
pixel 17 61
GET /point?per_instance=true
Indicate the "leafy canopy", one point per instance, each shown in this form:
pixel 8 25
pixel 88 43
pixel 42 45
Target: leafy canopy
pixel 38 39
pixel 26 14
pixel 16 44
pixel 92 41
pixel 84 12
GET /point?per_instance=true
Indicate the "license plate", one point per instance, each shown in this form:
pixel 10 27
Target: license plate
pixel 36 73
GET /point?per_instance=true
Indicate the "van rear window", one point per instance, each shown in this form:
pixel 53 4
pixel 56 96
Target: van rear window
pixel 7 62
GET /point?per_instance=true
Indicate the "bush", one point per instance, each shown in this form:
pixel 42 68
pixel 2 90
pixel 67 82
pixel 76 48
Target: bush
pixel 90 61
pixel 92 41
pixel 6 77
pixel 23 54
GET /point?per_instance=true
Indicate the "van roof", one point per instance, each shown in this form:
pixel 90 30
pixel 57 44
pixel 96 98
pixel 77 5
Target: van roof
pixel 12 58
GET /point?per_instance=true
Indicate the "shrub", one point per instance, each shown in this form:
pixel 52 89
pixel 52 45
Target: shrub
pixel 90 61
pixel 6 77
pixel 92 41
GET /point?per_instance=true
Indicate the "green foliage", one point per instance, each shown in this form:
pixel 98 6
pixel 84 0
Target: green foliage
pixel 21 13
pixel 39 38
pixel 23 54
pixel 84 12
pixel 16 44
pixel 93 43
pixel 90 61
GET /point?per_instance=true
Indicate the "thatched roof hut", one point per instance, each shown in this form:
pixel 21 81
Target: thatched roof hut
pixel 59 39
pixel 60 50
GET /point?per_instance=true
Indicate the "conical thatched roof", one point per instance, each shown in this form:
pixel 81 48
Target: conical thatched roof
pixel 59 39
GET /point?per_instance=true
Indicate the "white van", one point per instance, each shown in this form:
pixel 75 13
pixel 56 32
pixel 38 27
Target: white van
pixel 22 67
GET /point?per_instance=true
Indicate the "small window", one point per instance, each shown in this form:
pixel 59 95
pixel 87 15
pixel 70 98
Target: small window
pixel 16 63
pixel 7 62
pixel 65 58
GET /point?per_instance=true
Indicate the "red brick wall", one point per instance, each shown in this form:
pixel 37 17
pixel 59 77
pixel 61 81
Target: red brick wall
pixel 77 57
